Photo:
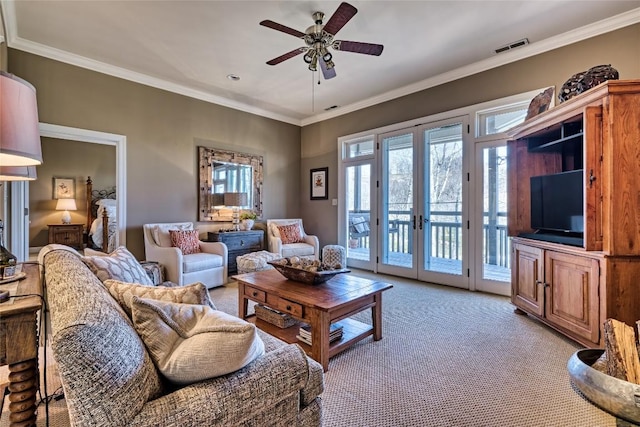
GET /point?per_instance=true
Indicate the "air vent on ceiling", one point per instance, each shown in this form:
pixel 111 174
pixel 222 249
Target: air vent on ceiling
pixel 513 45
pixel 333 107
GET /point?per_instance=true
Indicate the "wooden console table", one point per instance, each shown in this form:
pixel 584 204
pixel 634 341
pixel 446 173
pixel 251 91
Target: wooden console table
pixel 318 305
pixel 19 347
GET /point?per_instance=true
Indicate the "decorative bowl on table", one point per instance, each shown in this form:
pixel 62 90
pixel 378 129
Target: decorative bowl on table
pixel 302 270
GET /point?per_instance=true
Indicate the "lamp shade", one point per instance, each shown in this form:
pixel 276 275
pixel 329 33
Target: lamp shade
pixel 235 199
pixel 17 173
pixel 217 200
pixel 66 205
pixel 19 134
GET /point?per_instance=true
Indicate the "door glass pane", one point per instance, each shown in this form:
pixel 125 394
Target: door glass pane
pixel 358 186
pixel 443 199
pixel 396 230
pixel 495 248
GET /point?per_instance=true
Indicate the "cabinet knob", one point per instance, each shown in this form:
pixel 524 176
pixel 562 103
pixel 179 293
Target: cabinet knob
pixel 241 242
pixel 255 294
pixel 288 308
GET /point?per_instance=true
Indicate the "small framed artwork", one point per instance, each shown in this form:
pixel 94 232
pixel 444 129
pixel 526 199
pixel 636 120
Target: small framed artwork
pixel 64 188
pixel 319 183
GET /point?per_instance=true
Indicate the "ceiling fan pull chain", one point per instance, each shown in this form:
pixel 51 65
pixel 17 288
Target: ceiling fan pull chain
pixel 313 94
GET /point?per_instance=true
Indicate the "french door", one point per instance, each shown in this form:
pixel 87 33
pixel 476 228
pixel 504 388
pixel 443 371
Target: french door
pixel 423 203
pixel 492 270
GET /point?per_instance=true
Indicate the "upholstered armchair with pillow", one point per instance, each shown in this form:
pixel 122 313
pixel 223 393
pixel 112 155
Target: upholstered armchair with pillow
pixel 287 238
pixel 185 258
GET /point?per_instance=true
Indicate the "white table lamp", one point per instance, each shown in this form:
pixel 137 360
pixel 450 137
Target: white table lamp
pixel 66 205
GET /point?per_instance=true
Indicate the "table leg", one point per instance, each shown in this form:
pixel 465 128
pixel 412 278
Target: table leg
pixel 243 303
pixel 23 386
pixel 376 316
pixel 320 324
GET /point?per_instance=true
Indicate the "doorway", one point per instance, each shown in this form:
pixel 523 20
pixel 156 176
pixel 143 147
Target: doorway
pixel 19 197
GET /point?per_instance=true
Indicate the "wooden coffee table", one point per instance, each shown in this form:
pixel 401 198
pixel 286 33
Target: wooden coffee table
pixel 318 305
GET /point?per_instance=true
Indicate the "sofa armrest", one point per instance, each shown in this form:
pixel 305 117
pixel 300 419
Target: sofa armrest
pixel 231 399
pixel 217 248
pixel 275 245
pixel 313 241
pixel 169 258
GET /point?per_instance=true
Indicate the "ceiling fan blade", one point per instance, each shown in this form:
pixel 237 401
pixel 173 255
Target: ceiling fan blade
pixel 340 17
pixel 358 47
pixel 286 56
pixel 328 73
pixel 279 27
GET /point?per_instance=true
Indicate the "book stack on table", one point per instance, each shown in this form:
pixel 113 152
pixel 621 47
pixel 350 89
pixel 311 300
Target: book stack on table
pixel 335 333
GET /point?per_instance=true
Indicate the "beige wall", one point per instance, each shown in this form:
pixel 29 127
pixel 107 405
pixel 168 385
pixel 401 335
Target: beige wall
pixel 69 159
pixel 319 140
pixel 161 130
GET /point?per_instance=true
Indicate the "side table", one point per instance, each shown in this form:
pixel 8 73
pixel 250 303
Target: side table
pixel 66 234
pixel 19 346
pixel 238 243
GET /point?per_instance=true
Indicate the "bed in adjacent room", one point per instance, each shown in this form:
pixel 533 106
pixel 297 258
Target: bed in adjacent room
pixel 101 218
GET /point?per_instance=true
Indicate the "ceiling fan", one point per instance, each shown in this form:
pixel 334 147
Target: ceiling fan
pixel 318 38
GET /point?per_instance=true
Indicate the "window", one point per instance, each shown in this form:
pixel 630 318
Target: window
pixel 359 148
pixel 500 119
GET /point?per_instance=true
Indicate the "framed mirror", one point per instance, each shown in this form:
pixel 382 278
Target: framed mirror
pixel 228 180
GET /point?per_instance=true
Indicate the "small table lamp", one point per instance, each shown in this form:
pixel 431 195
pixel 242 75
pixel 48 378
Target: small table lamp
pixel 66 205
pixel 235 200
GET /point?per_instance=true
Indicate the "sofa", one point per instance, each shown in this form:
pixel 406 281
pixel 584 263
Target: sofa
pixel 109 378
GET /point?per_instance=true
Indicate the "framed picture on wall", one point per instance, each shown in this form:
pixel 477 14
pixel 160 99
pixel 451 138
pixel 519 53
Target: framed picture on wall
pixel 64 188
pixel 319 189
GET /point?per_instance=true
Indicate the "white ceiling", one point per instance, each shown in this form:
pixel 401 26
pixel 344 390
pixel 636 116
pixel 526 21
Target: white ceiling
pixel 190 47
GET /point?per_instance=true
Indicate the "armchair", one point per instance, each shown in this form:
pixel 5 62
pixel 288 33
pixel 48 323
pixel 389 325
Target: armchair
pixel 209 266
pixel 307 245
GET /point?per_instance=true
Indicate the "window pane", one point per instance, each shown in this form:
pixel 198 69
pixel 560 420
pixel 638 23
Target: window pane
pixel 497 121
pixel 359 148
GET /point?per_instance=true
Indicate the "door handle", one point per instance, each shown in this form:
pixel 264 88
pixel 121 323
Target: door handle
pixel 414 222
pixel 591 178
pixel 420 222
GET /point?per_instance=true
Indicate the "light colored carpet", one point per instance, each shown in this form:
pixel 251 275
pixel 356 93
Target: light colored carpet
pixel 448 357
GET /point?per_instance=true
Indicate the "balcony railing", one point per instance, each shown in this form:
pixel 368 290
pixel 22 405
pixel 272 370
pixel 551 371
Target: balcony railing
pixel 445 236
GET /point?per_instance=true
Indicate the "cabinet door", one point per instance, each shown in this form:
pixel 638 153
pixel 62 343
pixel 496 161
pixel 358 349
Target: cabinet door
pixel 527 287
pixel 593 178
pixel 572 301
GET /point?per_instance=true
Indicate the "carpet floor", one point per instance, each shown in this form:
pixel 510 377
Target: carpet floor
pixel 448 357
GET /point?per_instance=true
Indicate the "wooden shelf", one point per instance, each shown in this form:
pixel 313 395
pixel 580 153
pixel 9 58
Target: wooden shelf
pixel 352 332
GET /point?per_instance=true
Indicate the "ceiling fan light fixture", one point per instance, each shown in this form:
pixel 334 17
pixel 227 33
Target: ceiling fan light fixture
pixel 313 66
pixel 326 56
pixel 308 57
pixel 330 64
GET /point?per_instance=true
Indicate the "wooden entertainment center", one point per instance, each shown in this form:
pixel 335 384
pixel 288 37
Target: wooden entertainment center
pixel 575 288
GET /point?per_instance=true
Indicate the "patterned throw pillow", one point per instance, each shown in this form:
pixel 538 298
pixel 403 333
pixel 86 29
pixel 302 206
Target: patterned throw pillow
pixel 190 343
pixel 119 265
pixel 290 233
pixel 122 292
pixel 161 232
pixel 187 241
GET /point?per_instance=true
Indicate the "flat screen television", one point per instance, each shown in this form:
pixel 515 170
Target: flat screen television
pixel 557 202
